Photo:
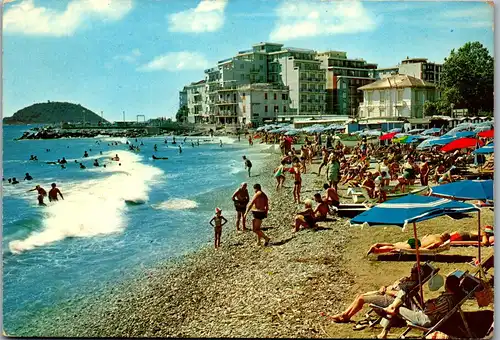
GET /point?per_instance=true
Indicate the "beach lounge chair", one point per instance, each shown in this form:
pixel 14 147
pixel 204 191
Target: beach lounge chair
pixel 428 272
pixel 360 195
pixel 469 285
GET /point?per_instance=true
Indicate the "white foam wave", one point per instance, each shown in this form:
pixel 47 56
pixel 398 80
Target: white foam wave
pixel 93 207
pixel 176 204
pixel 122 140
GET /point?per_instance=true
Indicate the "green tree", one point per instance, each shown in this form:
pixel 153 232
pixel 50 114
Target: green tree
pixel 467 78
pixel 182 114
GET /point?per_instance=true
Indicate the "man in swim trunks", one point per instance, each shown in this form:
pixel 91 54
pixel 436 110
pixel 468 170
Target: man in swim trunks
pixel 321 211
pixel 41 194
pixel 240 199
pixel 427 242
pixel 260 205
pixel 331 196
pixel 53 193
pixel 324 162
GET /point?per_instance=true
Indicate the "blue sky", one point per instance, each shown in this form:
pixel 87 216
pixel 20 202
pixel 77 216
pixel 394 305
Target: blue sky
pixel 135 55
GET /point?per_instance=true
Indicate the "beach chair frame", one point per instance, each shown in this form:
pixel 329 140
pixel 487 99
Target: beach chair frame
pixel 468 294
pixel 411 296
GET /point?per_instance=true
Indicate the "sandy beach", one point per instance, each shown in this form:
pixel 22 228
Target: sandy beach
pixel 243 290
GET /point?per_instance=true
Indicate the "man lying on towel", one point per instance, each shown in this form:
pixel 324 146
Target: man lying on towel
pixel 427 242
pixel 385 296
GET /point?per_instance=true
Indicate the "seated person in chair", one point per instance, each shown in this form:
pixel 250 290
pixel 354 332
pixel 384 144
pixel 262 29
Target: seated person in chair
pixel 434 309
pixel 385 296
pixel 427 242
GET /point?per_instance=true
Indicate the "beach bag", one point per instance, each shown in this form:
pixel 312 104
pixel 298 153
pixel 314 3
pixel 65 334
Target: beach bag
pixel 484 297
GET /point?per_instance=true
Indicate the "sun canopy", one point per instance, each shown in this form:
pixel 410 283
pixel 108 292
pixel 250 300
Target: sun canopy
pixel 465 190
pixel 461 143
pixel 431 131
pixel 487 134
pixel 490 148
pixel 409 209
pixel 435 141
pixel 388 135
pixel 463 134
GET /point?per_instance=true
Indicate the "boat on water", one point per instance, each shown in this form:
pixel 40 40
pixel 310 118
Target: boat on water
pixel 360 195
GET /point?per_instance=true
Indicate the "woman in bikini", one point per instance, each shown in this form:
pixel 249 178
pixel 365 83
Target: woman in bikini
pixel 297 184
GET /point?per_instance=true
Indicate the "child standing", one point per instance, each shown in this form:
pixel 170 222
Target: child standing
pixel 279 174
pixel 219 221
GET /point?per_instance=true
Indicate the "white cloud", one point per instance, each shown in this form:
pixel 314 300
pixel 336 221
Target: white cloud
pixel 26 18
pixel 299 19
pixel 208 16
pixel 129 58
pixel 176 61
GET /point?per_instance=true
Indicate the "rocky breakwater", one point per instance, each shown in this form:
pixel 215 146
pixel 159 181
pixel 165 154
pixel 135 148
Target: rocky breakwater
pixel 83 133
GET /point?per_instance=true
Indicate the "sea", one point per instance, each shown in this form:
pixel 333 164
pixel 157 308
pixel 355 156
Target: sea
pixel 114 222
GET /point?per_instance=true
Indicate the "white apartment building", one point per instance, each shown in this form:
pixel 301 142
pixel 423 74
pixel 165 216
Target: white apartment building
pixel 395 97
pixel 262 102
pixel 197 102
pixel 300 71
pixel 419 68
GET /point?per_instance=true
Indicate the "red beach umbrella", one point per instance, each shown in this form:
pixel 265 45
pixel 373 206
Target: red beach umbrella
pixel 461 143
pixel 487 134
pixel 388 136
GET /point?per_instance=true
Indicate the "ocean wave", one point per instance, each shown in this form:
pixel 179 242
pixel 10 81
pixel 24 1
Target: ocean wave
pixel 93 207
pixel 176 204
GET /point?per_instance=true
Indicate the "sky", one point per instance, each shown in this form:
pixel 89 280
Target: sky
pixel 136 55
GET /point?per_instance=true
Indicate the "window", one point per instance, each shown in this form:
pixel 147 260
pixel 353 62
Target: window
pixel 234 97
pixel 242 66
pixel 265 96
pixel 369 96
pixel 284 109
pixel 242 76
pixel 382 96
pixel 400 95
pixel 265 108
pixel 276 108
pixel 283 96
pixel 275 96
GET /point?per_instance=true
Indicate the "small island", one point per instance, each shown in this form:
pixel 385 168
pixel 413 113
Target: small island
pixel 54 113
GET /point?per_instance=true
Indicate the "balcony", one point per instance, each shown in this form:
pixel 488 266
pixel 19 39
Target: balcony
pixel 225 102
pixel 227 88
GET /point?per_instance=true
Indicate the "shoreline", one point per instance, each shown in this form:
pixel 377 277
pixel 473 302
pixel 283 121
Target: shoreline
pixel 240 290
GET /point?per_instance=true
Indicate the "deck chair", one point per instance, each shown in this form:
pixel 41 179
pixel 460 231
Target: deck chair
pixel 361 196
pixel 428 271
pixel 469 285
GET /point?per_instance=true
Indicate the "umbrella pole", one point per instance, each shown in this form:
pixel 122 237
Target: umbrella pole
pixel 418 264
pixel 479 237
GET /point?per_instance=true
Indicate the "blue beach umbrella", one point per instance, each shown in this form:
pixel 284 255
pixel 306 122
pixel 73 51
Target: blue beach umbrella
pixel 431 131
pixel 465 134
pixel 409 209
pixel 465 190
pixel 490 148
pixel 435 141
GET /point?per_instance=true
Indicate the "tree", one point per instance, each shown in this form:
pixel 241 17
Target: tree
pixel 467 78
pixel 182 114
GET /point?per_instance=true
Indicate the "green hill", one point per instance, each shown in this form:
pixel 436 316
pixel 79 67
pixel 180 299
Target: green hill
pixel 53 113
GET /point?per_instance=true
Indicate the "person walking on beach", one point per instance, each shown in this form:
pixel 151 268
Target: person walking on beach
pixel 248 165
pixel 279 174
pixel 41 194
pixel 219 221
pixel 240 199
pixel 260 205
pixel 297 184
pixel 250 141
pixel 333 171
pixel 53 193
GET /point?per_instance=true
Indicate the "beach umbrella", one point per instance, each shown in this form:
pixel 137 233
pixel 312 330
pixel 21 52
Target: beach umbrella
pixel 410 139
pixel 431 131
pixel 465 190
pixel 389 135
pixel 435 141
pixel 395 130
pixel 411 209
pixel 461 143
pixel 485 149
pixel 292 132
pixel 416 131
pixel 465 134
pixel 487 134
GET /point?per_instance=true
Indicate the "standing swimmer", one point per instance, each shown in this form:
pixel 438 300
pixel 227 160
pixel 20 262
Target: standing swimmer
pixel 53 193
pixel 180 149
pixel 41 194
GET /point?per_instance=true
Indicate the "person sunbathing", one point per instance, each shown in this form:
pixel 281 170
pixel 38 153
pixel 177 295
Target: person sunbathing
pixel 487 236
pixel 383 297
pixel 427 242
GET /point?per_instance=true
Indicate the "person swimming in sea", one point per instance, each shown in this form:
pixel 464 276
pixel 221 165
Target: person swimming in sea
pixel 154 157
pixel 82 166
pixel 63 161
pixel 85 154
pixel 41 194
pixel 53 193
pixel 220 143
pixel 14 181
pixel 192 144
pixel 28 177
pixel 96 163
pixel 63 166
pixel 155 147
pixel 180 149
pixel 116 158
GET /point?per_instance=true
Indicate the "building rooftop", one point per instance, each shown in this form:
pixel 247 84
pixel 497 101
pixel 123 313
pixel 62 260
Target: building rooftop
pixel 301 50
pixel 397 81
pixel 267 43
